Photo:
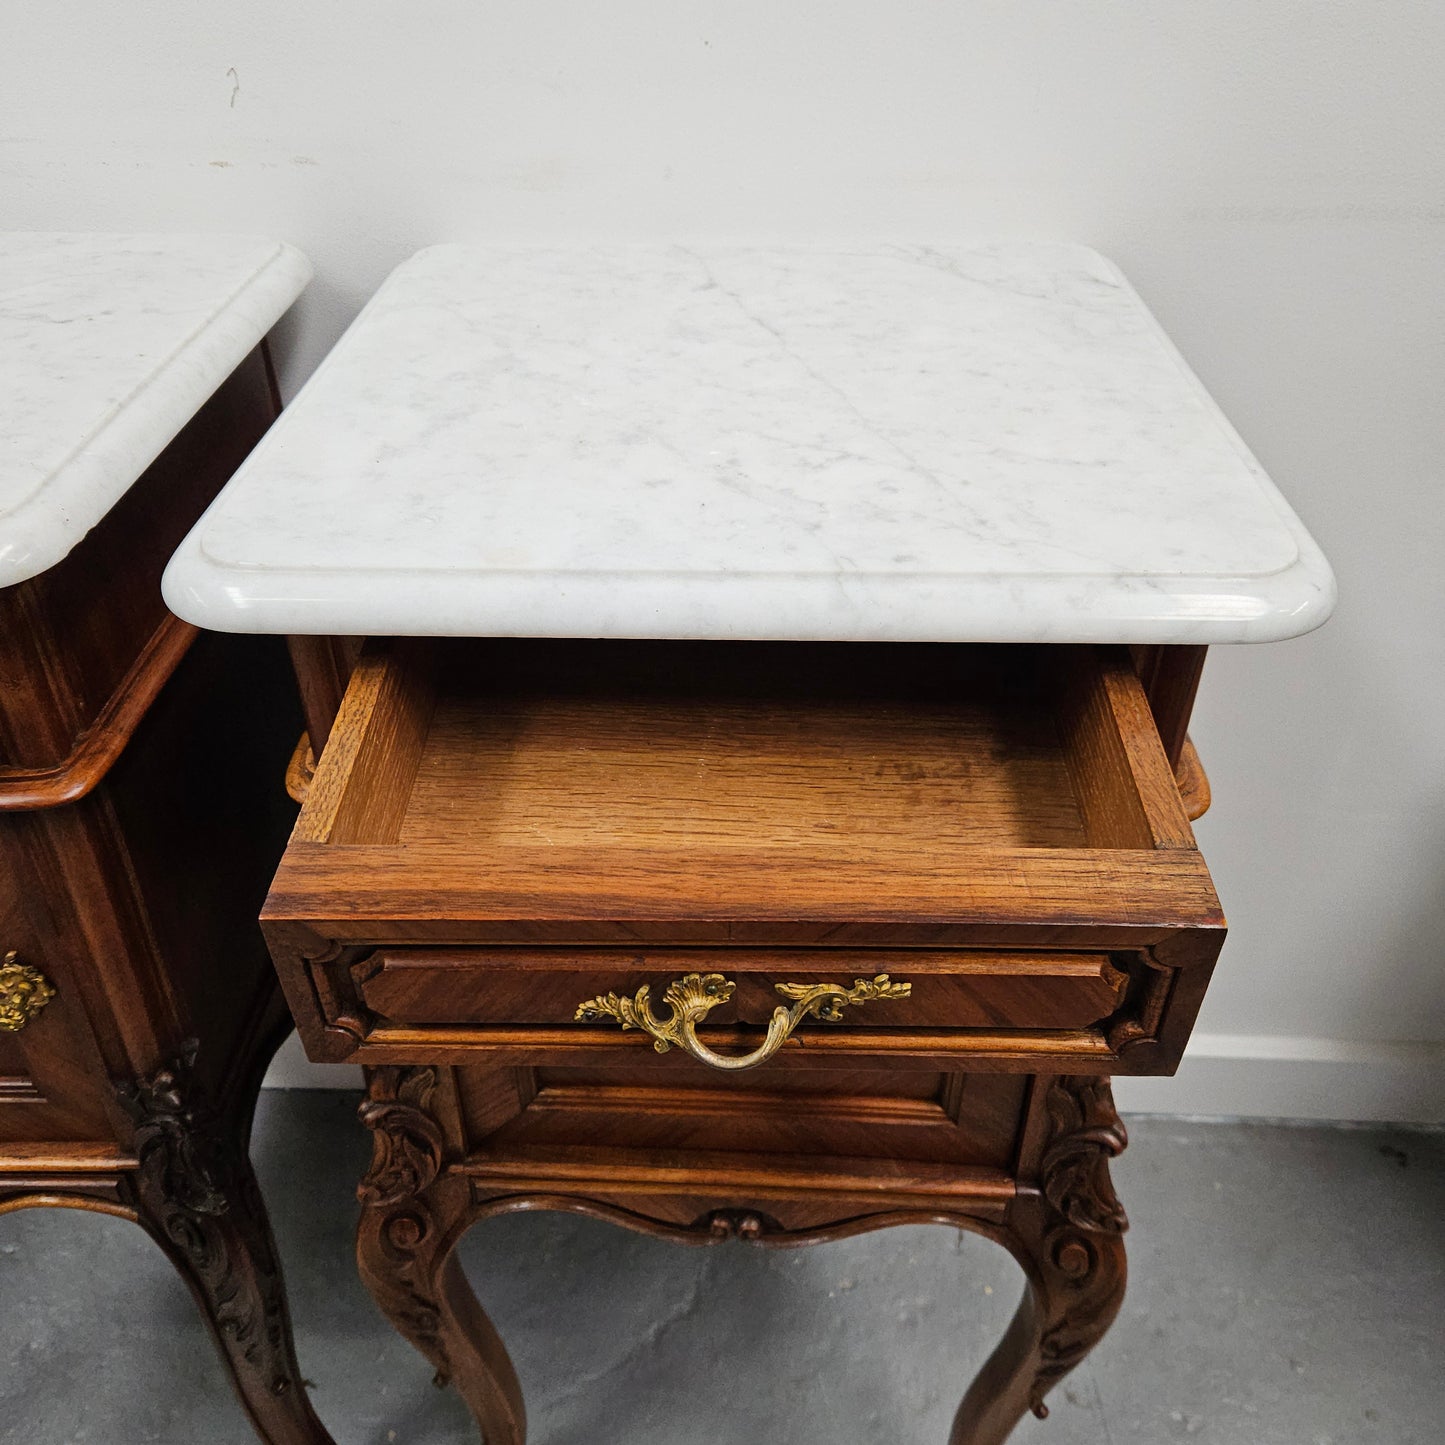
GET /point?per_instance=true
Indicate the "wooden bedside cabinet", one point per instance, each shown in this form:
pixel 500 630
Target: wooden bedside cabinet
pixel 925 896
pixel 763 808
pixel 140 812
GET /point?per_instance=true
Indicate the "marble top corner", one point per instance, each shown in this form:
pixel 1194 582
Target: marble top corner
pixel 109 344
pixel 871 442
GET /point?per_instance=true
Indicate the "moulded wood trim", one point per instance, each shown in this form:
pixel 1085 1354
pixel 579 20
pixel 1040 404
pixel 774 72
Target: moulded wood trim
pixel 641 1171
pixel 1121 897
pixel 1193 782
pixel 1030 1050
pixel 73 1157
pixel 101 744
pixel 300 769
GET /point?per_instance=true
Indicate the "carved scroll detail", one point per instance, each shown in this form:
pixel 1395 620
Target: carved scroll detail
pixel 407 1142
pixel 1086 1134
pixel 1142 1024
pixel 195 1189
pixel 407 1152
pixel 1082 1249
pixel 691 998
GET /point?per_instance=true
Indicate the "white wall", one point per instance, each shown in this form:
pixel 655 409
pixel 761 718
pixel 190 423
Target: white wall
pixel 1271 174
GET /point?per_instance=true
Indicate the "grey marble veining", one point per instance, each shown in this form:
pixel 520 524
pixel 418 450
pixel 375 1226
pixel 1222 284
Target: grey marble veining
pixel 108 346
pixel 873 442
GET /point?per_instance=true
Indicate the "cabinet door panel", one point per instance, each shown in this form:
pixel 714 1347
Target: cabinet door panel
pixel 52 1083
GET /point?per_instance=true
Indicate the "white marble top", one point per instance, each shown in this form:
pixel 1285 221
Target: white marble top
pixel 863 442
pixel 108 346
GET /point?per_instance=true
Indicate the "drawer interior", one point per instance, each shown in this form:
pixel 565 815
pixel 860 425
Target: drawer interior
pixel 893 756
pixel 1005 818
pixel 675 750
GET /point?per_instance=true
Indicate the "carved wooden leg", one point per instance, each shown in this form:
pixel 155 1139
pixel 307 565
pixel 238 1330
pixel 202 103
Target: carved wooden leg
pixel 195 1193
pixel 413 1216
pixel 1069 1236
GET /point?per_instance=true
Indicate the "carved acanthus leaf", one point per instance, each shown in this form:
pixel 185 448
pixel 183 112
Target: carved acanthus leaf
pixel 407 1141
pixel 195 1185
pixel 1086 1134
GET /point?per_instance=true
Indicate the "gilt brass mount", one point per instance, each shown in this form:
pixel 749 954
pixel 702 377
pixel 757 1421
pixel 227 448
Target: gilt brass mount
pixel 692 997
pixel 24 991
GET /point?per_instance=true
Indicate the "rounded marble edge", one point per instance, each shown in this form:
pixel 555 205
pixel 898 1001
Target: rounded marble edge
pixel 740 607
pixel 1310 565
pixel 41 534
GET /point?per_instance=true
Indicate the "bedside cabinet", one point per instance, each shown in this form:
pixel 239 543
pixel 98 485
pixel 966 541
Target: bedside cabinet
pixel 140 806
pixel 762 809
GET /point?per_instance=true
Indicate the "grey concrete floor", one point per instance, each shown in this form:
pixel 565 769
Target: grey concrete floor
pixel 1287 1288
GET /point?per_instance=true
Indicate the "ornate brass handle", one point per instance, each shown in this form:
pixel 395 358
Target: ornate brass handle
pixel 695 995
pixel 24 991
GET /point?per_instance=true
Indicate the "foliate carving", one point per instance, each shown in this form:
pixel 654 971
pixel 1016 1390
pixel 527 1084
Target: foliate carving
pixel 409 1302
pixel 397 1239
pixel 407 1142
pixel 177 1137
pixel 691 998
pixel 335 990
pixel 1086 1133
pixel 196 1188
pixel 1082 1251
pixel 1142 1024
pixel 24 991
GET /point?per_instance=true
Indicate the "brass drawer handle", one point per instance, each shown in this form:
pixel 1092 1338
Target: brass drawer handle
pixel 692 997
pixel 24 991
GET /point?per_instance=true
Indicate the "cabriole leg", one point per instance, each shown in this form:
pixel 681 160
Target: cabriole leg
pixel 412 1218
pixel 195 1193
pixel 1068 1233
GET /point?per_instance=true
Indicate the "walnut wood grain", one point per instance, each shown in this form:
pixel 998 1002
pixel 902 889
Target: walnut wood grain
pixel 300 769
pixel 953 989
pixel 413 1218
pixel 194 1192
pixel 658 796
pixel 1194 788
pixel 141 814
pixel 72 635
pixel 898 1109
pixel 442 1162
pixel 96 749
pixel 1170 675
pixel 496 830
pixel 380 731
pixel 1066 1229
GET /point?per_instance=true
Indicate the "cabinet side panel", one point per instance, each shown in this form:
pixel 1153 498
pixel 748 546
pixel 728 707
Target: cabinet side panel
pixel 71 634
pixel 52 1081
pixel 200 795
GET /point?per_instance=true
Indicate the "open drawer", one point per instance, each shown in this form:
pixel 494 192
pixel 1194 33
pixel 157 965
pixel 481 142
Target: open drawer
pixel 500 833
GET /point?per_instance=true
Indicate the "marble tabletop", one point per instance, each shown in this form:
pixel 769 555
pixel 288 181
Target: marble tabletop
pixel 897 442
pixel 109 344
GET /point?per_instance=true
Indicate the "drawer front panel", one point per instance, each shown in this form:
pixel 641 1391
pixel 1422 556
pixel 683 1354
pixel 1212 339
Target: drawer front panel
pixel 499 834
pixel 948 990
